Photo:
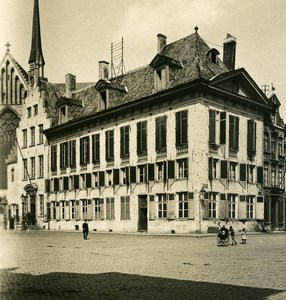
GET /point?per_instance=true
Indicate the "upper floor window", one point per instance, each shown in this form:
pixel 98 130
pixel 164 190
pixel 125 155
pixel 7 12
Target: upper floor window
pixel 161 133
pixel 41 166
pixel 25 139
pixel 103 100
pixel 35 110
pixel 266 175
pixel 72 153
pixel 233 133
pixel 109 145
pixel 95 148
pixel 160 167
pixel 41 135
pixel 12 175
pixel 54 158
pixel 84 150
pixel 33 167
pixel 32 136
pixel 161 78
pixel 266 142
pixel 273 147
pixel 124 141
pixel 280 148
pixel 142 137
pixel 232 171
pixel 25 168
pixel 29 112
pixel 181 128
pixel 251 137
pixel 182 168
pixel 63 114
pixel 64 155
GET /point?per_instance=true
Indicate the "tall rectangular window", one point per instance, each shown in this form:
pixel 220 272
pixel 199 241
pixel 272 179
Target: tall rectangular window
pixel 33 167
pixel 125 208
pixel 162 206
pixel 161 78
pixel 142 137
pixel 222 128
pixel 161 133
pixel 280 147
pixel 233 133
pixel 266 142
pixel 182 128
pixel 64 155
pixel 251 137
pixel 232 206
pixel 29 112
pixel 212 127
pixel 266 175
pixel 232 171
pixel 142 173
pixel 95 148
pixel 41 166
pixel 273 147
pixel 109 145
pixel 249 207
pixel 160 170
pixel 84 208
pixel 280 177
pixel 54 158
pixel 110 209
pixel 32 136
pixel 124 141
pixel 273 175
pixel 72 209
pixel 41 205
pixel 183 205
pixel 25 168
pixel 182 168
pixel 35 110
pixel 41 135
pixel 212 205
pixel 97 208
pixel 72 153
pixel 25 138
pixel 84 150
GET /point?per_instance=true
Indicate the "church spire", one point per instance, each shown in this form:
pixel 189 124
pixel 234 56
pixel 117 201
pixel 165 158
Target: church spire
pixel 36 60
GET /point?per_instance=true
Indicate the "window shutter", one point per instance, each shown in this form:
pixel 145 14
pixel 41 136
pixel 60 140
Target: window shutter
pixel 281 209
pixel 122 141
pixel 157 133
pixel 171 207
pixel 171 169
pixel 191 211
pixel 184 127
pixel 222 127
pixel 111 143
pixel 212 126
pixel 54 158
pixel 224 170
pixel 88 180
pixel 152 208
pixel 164 170
pixel 56 184
pixel 250 135
pixel 77 210
pixel 127 175
pixel 222 207
pixel 73 153
pixel 236 145
pixel 178 129
pixel 132 174
pixel 57 211
pixel 87 149
pixel 76 182
pixel 101 178
pixel 150 172
pixel 242 207
pixel 47 186
pixel 210 168
pixel 242 172
pixel 66 183
pixel 115 176
pixel 127 140
pixel 102 213
pixel 67 210
pixel 260 175
pixel 61 155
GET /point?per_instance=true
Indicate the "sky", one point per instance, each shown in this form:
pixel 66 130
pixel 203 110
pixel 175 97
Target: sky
pixel 77 34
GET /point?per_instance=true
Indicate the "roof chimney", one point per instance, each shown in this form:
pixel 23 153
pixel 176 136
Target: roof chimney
pixel 161 42
pixel 70 84
pixel 229 47
pixel 103 69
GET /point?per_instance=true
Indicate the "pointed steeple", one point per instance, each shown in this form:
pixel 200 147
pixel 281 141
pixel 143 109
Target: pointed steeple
pixel 36 59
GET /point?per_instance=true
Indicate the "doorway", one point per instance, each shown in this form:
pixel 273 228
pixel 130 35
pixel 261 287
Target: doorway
pixel 142 214
pixel 33 210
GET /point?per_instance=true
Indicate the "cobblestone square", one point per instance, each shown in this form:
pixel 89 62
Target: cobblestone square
pixel 62 265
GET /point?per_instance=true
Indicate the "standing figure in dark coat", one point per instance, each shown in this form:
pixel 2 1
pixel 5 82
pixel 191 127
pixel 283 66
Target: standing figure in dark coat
pixel 85 229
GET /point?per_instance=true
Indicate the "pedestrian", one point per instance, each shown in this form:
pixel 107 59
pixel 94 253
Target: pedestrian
pixel 85 229
pixel 232 236
pixel 243 236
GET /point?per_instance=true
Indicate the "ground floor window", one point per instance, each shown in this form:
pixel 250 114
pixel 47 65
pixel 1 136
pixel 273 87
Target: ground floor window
pixel 97 209
pixel 183 205
pixel 212 205
pixel 62 210
pixel 162 205
pixel 110 209
pixel 249 207
pixel 72 209
pixel 54 211
pixel 84 209
pixel 232 206
pixel 41 205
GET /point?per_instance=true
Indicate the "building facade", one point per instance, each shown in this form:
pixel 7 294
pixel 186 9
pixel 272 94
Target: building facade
pixel 177 146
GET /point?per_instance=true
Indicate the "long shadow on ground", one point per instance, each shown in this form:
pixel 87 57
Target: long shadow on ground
pixel 15 285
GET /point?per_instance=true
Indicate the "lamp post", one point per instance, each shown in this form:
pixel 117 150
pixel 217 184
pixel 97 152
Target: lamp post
pixel 23 198
pixel 201 198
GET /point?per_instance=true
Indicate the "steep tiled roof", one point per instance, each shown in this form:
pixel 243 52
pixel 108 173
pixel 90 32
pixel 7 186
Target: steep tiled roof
pixel 189 53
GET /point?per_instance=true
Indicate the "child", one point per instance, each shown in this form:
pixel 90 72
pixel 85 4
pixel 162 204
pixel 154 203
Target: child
pixel 243 236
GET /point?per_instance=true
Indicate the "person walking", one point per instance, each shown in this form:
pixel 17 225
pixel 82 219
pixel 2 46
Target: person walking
pixel 85 229
pixel 243 236
pixel 232 235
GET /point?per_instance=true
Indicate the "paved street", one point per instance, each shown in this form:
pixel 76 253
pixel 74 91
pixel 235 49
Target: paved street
pixel 61 265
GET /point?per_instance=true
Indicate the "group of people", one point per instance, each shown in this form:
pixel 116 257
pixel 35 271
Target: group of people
pixel 224 233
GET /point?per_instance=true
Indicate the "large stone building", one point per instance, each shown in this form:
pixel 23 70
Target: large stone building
pixel 174 146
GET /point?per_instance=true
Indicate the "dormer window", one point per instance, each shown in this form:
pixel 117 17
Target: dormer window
pixel 63 114
pixel 212 54
pixel 103 100
pixel 161 78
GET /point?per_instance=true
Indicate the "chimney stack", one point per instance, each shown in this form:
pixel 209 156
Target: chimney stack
pixel 70 84
pixel 229 47
pixel 103 70
pixel 161 42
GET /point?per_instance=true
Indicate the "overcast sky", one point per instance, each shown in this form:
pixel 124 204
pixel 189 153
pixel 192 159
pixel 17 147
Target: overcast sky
pixel 76 34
